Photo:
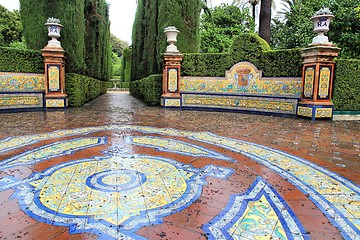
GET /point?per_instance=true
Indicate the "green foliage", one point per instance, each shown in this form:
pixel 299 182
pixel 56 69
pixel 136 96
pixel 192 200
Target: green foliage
pixel 205 64
pixel 118 45
pixel 82 89
pixel 148 89
pixel 218 29
pixel 126 65
pixel 281 63
pixel 149 40
pixel 19 60
pixel 116 64
pixel 10 27
pixel 346 95
pixel 298 29
pixel 125 84
pixel 85 37
pixel 97 40
pixel 246 47
pixel 34 14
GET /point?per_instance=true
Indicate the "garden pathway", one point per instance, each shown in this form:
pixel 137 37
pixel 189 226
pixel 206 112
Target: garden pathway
pixel 117 169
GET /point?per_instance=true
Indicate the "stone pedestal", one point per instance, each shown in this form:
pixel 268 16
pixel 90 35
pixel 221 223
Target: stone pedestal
pixel 55 95
pixel 171 80
pixel 317 81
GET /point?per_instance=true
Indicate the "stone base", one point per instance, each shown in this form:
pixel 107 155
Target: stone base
pixel 56 103
pixel 173 102
pixel 315 111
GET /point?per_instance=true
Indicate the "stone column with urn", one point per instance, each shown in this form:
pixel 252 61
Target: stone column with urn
pixel 318 71
pixel 171 71
pixel 54 59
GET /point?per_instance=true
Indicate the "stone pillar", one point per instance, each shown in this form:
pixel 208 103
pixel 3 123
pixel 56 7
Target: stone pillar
pixel 54 59
pixel 171 80
pixel 318 72
pixel 171 72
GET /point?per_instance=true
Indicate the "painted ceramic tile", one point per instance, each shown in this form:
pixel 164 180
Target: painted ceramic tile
pixel 243 78
pixel 172 145
pixel 50 151
pixel 261 213
pixel 331 193
pixel 21 82
pixel 127 192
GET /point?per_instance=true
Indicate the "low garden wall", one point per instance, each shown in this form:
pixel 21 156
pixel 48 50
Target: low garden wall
pixel 22 82
pixel 243 89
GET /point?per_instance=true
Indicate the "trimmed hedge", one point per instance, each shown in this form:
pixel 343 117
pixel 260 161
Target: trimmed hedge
pixel 82 89
pixel 21 60
pixel 246 47
pixel 125 84
pixel 148 89
pixel 346 94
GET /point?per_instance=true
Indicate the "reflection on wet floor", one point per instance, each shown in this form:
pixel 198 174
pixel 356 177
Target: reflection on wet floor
pixel 118 169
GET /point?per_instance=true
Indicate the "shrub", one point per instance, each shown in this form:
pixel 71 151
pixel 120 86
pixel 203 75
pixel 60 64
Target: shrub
pixel 346 95
pixel 20 60
pixel 82 89
pixel 246 47
pixel 148 89
pixel 125 85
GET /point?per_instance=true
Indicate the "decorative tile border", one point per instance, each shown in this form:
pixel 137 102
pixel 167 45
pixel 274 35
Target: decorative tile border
pixel 107 197
pixel 176 146
pixel 243 103
pixel 21 82
pixel 21 101
pixel 330 192
pixel 260 213
pixel 51 151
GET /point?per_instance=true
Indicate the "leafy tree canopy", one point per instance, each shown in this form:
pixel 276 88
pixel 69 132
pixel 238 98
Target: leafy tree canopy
pixel 118 45
pixel 222 24
pixel 297 29
pixel 10 27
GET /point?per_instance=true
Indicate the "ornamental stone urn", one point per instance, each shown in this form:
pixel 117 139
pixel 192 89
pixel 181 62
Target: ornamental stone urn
pixel 54 27
pixel 321 21
pixel 171 34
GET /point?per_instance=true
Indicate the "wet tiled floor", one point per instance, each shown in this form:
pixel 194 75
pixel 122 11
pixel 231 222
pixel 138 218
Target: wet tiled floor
pixel 117 169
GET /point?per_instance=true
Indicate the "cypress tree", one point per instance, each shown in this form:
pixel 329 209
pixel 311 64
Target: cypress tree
pixel 149 40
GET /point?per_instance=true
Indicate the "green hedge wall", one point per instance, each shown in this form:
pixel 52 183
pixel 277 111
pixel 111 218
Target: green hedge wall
pixel 246 47
pixel 20 60
pixel 82 89
pixel 346 94
pixel 148 89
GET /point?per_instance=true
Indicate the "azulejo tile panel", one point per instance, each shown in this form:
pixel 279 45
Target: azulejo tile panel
pixel 286 106
pixel 171 145
pixel 304 111
pixel 55 103
pixel 108 178
pixel 323 112
pixel 243 78
pixel 21 82
pixel 50 151
pixel 172 102
pixel 21 100
pixel 261 213
pixel 127 192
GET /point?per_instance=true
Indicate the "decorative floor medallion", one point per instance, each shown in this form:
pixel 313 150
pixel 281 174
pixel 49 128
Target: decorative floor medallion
pixel 115 195
pixel 261 213
pixel 118 193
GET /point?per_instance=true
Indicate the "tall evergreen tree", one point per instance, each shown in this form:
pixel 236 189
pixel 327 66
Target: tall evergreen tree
pixel 149 40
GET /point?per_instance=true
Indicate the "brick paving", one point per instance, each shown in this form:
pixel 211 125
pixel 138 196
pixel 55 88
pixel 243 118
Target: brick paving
pixel 333 146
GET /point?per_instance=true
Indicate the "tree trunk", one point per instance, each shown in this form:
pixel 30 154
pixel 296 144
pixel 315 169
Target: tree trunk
pixel 265 19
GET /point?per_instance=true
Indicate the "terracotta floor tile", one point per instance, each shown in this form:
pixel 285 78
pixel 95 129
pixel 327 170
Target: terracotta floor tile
pixel 160 198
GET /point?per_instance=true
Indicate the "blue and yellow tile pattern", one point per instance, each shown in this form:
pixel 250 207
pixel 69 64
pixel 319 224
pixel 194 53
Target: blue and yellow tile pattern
pixel 117 193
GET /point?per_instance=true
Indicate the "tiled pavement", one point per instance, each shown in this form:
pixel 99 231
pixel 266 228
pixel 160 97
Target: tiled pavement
pixel 118 169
